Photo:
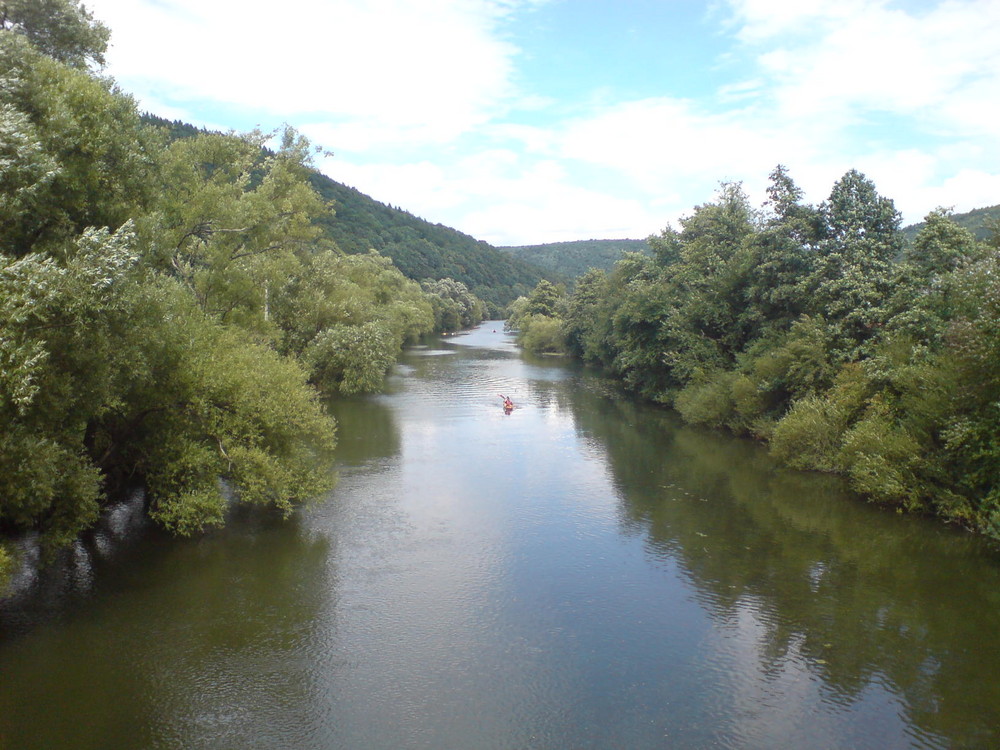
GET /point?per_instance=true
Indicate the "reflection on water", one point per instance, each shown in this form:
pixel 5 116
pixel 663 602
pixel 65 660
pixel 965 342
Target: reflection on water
pixel 866 601
pixel 582 572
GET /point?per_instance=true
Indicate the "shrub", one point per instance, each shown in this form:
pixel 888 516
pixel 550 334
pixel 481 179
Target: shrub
pixel 351 359
pixel 542 334
pixel 707 401
pixel 881 459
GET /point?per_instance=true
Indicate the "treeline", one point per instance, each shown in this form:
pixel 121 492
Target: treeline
pixel 170 308
pixel 816 329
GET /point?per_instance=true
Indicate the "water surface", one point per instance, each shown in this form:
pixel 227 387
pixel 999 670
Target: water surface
pixel 584 572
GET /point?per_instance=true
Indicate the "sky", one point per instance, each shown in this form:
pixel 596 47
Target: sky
pixel 533 121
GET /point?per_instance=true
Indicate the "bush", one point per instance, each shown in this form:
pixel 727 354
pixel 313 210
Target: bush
pixel 351 359
pixel 810 435
pixel 881 459
pixel 542 334
pixel 707 401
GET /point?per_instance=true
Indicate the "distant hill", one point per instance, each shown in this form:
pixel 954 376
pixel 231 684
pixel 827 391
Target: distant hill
pixel 975 221
pixel 572 259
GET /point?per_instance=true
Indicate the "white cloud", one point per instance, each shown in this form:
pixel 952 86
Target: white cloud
pixel 430 71
pixel 836 59
pixel 504 198
pixel 418 105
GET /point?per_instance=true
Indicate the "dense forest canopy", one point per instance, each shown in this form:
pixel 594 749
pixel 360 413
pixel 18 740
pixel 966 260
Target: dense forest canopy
pixel 818 329
pixel 171 308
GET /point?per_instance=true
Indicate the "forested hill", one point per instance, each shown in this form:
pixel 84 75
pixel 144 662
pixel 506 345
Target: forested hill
pixel 571 259
pixel 979 221
pixel 424 250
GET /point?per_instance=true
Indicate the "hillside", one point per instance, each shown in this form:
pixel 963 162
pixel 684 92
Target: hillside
pixel 571 259
pixel 424 250
pixel 976 221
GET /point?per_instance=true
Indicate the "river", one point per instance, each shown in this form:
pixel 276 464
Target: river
pixel 583 572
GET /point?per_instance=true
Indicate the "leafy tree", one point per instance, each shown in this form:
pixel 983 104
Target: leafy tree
pixel 354 357
pixel 455 307
pixel 79 156
pixel 971 436
pixel 543 299
pixel 784 255
pixel 923 302
pixel 64 30
pixel 230 220
pixel 710 320
pixel 215 404
pixel 348 317
pixel 543 334
pixel 584 315
pixel 55 323
pixel 854 269
pixel 116 377
pixel 941 246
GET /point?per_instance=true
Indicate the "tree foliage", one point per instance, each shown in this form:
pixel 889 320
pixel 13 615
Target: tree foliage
pixel 61 29
pixel 817 329
pixel 170 307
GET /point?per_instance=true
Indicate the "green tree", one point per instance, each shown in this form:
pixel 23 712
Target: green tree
pixel 854 271
pixel 64 30
pixel 544 299
pixel 231 219
pixel 455 307
pixel 584 329
pixel 784 254
pixel 711 321
pixel 348 317
pixel 923 303
pixel 56 322
pixel 79 156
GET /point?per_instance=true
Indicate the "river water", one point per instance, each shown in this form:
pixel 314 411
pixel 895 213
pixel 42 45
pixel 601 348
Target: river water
pixel 584 572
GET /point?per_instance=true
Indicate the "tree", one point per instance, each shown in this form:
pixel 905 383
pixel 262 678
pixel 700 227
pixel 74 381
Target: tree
pixel 854 271
pixel 455 307
pixel 584 315
pixel 55 323
pixel 230 219
pixel 80 156
pixel 64 30
pixel 711 321
pixel 347 318
pixel 784 254
pixel 940 247
pixel 543 299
